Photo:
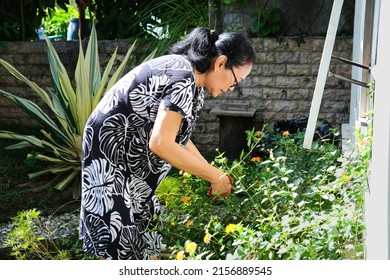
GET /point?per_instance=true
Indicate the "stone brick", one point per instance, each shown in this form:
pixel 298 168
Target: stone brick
pixel 287 57
pixel 274 69
pixel 298 69
pixel 287 81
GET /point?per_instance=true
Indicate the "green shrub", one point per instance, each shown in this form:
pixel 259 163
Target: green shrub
pixel 34 239
pixel 293 203
pixel 57 20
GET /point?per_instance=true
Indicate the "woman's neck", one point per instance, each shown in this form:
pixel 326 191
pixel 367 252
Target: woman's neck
pixel 199 78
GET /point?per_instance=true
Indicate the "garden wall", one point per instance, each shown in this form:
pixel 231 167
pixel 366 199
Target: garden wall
pixel 280 86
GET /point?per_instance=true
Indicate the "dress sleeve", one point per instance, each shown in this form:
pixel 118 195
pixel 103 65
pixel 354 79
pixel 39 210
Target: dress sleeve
pixel 179 94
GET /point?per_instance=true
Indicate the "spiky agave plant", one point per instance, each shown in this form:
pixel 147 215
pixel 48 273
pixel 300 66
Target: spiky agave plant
pixel 70 104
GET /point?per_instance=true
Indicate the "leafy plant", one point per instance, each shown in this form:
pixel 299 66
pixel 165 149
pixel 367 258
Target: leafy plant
pixel 21 18
pixel 288 203
pixel 267 22
pixel 169 21
pixel 33 238
pixel 10 30
pixel 168 189
pixel 28 241
pixel 57 20
pixel 70 105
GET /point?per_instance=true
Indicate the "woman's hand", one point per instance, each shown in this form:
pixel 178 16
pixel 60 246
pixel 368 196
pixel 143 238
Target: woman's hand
pixel 221 188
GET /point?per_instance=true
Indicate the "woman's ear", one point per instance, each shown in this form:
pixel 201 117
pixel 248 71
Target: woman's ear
pixel 220 62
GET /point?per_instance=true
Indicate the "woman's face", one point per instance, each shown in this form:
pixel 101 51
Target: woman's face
pixel 220 79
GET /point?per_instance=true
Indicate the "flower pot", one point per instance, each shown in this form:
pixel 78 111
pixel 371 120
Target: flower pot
pixel 73 30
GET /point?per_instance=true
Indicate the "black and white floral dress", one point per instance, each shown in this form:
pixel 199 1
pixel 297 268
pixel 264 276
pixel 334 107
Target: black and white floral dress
pixel 119 172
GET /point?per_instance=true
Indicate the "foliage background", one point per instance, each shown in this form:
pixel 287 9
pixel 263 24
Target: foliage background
pixel 129 19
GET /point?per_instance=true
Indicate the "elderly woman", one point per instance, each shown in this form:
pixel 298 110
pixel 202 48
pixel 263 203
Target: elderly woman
pixel 141 128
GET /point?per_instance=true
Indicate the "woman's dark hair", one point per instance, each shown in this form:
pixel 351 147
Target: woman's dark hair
pixel 202 45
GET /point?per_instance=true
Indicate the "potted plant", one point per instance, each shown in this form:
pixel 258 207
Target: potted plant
pixel 79 26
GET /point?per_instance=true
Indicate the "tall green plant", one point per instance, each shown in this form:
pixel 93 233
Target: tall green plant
pixel 70 104
pixel 170 20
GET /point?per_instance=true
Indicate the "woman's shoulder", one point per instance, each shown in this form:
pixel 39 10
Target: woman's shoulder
pixel 172 61
pixel 173 57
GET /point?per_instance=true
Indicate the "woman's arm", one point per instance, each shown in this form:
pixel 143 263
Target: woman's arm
pixel 188 159
pixel 194 150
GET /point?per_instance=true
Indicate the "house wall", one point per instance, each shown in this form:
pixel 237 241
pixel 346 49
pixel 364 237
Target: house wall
pixel 280 86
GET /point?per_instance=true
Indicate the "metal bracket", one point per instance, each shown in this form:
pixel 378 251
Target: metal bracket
pixel 356 82
pixel 353 81
pixel 352 62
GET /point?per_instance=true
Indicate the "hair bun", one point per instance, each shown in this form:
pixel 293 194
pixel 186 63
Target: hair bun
pixel 213 36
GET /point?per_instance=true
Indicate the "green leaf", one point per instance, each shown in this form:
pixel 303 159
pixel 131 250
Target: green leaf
pixel 45 97
pixel 37 113
pixel 119 71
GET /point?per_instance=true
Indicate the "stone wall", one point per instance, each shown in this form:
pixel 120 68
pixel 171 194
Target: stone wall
pixel 280 86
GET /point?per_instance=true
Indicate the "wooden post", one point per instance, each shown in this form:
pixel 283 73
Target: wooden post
pixel 323 72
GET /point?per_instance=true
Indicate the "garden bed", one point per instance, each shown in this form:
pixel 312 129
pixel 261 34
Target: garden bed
pixel 288 203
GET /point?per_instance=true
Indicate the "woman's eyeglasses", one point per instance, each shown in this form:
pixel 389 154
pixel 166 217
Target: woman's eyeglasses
pixel 235 84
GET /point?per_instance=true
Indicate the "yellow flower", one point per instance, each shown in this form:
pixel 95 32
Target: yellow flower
pixel 191 247
pixel 207 238
pixel 255 159
pixel 230 227
pixel 180 255
pixel 286 133
pixel 258 133
pixel 189 223
pixel 345 177
pixel 362 142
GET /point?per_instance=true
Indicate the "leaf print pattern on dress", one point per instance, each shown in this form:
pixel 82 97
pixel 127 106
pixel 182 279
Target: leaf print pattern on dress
pixel 110 101
pixel 145 96
pixel 131 244
pixel 115 133
pixel 145 217
pixel 97 237
pixel 98 182
pixel 182 95
pixel 153 241
pixel 136 192
pixel 87 142
pixel 115 225
pixel 177 64
pixel 141 161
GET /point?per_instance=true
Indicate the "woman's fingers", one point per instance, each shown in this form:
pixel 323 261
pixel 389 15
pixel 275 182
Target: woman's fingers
pixel 221 189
